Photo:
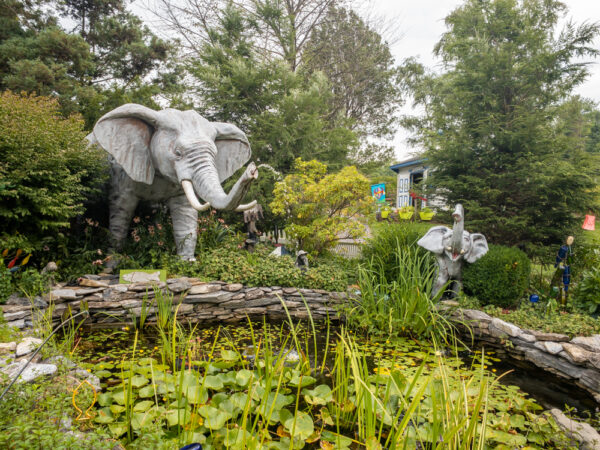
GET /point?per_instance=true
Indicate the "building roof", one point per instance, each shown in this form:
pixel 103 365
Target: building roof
pixel 408 162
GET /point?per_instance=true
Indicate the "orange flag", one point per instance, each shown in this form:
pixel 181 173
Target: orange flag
pixel 589 223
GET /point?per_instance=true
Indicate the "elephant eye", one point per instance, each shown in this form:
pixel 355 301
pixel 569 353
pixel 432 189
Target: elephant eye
pixel 177 153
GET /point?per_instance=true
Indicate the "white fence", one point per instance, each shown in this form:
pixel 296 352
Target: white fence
pixel 348 248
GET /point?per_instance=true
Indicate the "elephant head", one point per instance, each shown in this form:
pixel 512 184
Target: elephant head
pixel 183 147
pixel 455 243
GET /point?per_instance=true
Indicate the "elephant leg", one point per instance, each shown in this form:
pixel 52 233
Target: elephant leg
pixel 442 276
pixel 122 208
pixel 185 226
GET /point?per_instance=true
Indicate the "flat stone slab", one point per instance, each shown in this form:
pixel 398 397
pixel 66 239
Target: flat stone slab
pixel 590 343
pixel 553 348
pixel 576 354
pixel 214 297
pixel 498 328
pixel 204 289
pixel 556 337
pixel 92 283
pixel 27 345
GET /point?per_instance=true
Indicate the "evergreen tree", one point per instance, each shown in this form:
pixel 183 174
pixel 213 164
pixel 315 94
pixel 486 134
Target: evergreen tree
pixel 491 127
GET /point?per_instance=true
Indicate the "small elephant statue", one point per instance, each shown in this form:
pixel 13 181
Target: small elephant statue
pixel 451 247
pixel 171 156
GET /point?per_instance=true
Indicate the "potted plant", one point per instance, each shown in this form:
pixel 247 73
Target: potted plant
pixel 406 212
pixel 426 214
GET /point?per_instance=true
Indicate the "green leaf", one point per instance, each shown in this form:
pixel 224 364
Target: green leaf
pixel 105 399
pixel 180 416
pixel 242 377
pixel 320 395
pixel 138 381
pixel 215 419
pixel 213 382
pixel 143 406
pixel 299 425
pixel 117 429
pixel 104 415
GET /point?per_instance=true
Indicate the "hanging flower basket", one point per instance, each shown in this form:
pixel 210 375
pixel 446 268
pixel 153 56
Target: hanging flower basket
pixel 426 214
pixel 406 212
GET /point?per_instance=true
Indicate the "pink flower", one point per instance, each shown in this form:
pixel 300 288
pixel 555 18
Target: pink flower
pixel 160 243
pixel 203 229
pixel 151 230
pixel 89 221
pixel 46 248
pixel 99 251
pixel 136 220
pixel 98 262
pixel 220 220
pixel 136 238
pixel 159 226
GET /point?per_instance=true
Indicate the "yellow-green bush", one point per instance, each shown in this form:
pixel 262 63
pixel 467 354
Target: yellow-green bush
pixel 46 169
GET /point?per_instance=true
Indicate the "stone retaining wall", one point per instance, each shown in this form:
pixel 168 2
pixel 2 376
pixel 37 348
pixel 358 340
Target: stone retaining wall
pixel 576 360
pixel 109 302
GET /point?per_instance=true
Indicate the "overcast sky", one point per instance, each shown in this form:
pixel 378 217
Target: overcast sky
pixel 421 24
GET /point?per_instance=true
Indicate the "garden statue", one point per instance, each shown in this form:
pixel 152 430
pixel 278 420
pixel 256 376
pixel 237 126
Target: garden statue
pixel 302 261
pixel 451 247
pixel 562 277
pixel 251 216
pixel 173 156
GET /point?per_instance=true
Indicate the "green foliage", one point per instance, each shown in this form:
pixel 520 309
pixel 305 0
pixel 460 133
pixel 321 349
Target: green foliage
pixel 493 130
pixel 283 112
pixel 499 278
pixel 587 292
pixel 363 75
pixel 543 318
pixel 231 264
pixel 321 209
pixel 388 240
pixel 47 170
pixel 32 415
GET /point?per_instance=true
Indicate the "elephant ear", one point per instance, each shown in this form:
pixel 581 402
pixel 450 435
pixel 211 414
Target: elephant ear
pixel 433 239
pixel 479 247
pixel 233 149
pixel 125 133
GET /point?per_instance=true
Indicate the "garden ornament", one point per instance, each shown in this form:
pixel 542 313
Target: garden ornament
pixel 174 156
pixel 302 260
pixel 451 247
pixel 562 276
pixel 251 216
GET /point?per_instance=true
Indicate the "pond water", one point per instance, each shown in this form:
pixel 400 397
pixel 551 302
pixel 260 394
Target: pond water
pixel 114 344
pixel 299 375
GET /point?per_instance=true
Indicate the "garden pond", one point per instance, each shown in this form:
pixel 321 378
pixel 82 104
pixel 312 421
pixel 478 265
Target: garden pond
pixel 259 385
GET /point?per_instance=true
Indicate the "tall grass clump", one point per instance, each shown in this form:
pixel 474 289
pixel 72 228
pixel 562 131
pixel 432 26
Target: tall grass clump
pixel 396 298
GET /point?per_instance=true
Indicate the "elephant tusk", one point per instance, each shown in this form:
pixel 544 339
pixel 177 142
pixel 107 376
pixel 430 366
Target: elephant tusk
pixel 188 188
pixel 246 206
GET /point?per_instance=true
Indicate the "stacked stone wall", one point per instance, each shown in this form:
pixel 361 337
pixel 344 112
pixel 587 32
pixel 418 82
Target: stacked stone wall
pixel 110 302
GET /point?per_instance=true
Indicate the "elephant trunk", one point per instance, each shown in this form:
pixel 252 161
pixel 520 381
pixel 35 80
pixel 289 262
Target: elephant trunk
pixel 201 174
pixel 458 229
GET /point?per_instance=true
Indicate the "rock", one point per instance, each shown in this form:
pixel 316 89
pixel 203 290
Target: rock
pixel 590 343
pixel 234 287
pixel 576 354
pixel 450 303
pixel 476 315
pixel 93 283
pixel 557 365
pixel 28 345
pixel 527 337
pixel 89 276
pixel 553 348
pixel 83 374
pixel 146 287
pixel 63 294
pixel 14 299
pixel 204 289
pixel 50 267
pixel 179 286
pixel 16 315
pixel 290 290
pixel 499 328
pixel 60 360
pixel 214 297
pixel 7 347
pixel 582 432
pixel 31 372
pixel 256 293
pixel 556 337
pixel 20 324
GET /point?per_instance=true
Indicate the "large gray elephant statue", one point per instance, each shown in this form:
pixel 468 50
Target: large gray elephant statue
pixel 171 156
pixel 451 247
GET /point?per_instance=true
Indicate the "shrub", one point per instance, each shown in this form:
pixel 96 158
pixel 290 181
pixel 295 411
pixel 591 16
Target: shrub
pixel 231 264
pixel 388 243
pixel 587 292
pixel 499 278
pixel 46 170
